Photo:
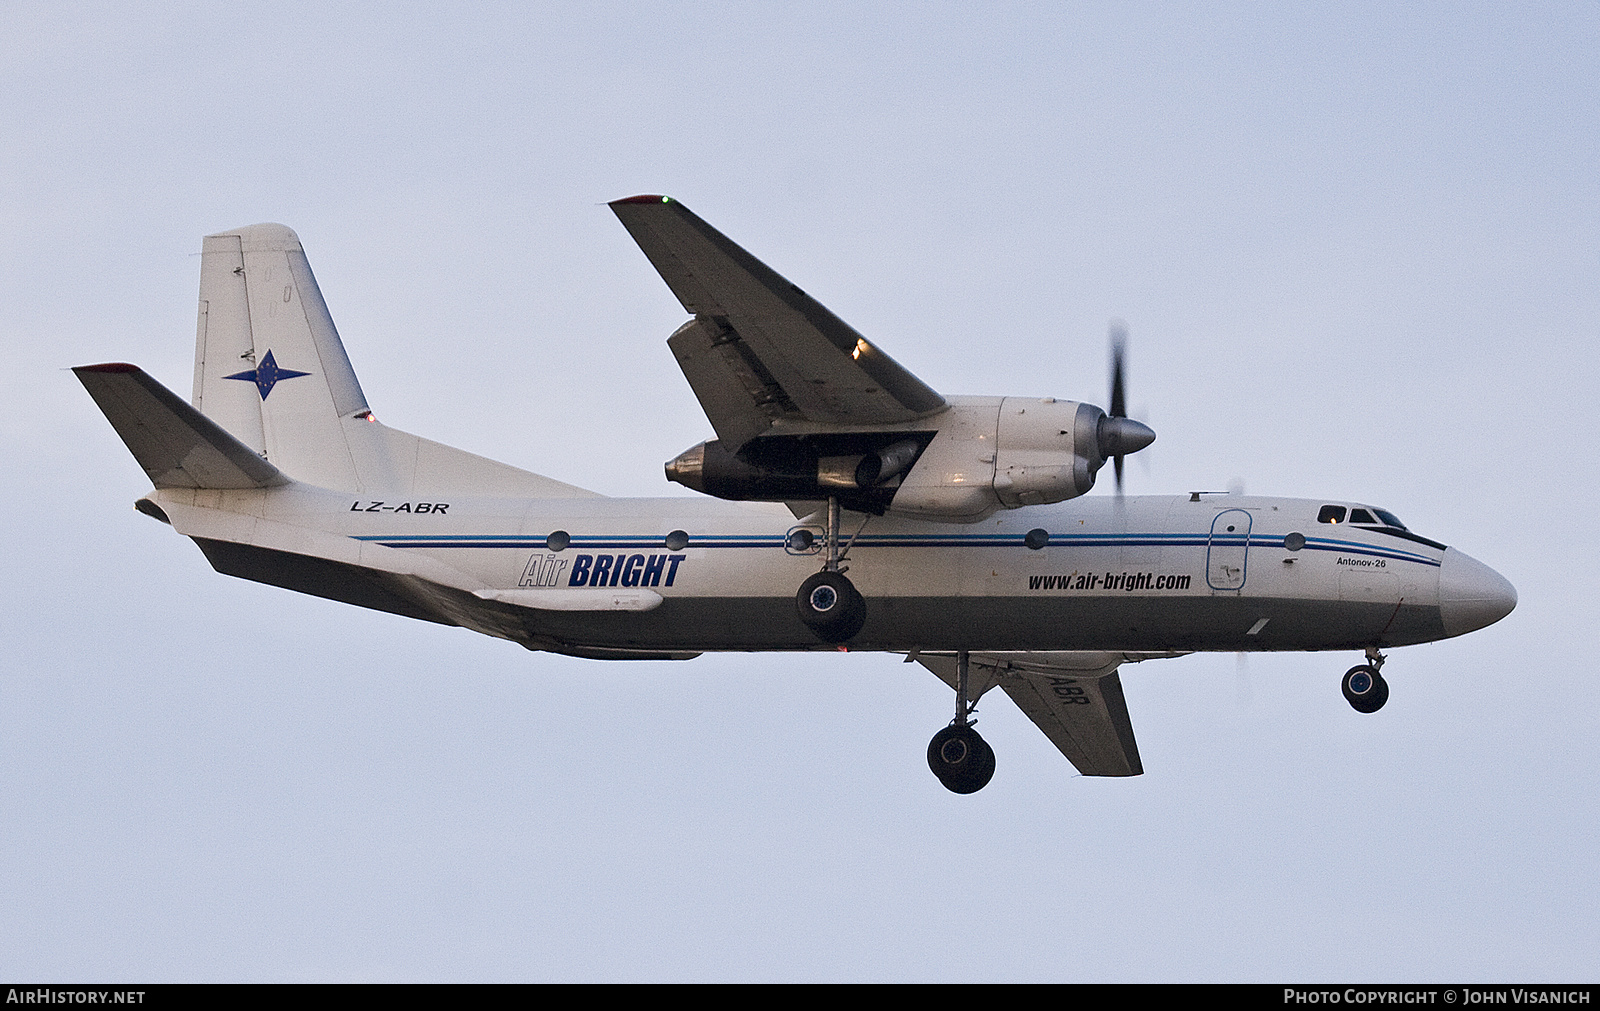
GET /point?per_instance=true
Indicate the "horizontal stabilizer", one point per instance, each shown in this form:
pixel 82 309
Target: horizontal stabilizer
pixel 177 446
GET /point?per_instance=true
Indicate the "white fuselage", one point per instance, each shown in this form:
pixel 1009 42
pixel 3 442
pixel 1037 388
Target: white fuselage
pixel 1142 573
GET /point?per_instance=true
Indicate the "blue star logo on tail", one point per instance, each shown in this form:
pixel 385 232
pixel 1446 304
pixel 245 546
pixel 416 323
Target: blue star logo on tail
pixel 267 375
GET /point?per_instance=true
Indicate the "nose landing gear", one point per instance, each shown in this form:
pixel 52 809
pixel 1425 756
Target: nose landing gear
pixel 1364 688
pixel 828 603
pixel 961 759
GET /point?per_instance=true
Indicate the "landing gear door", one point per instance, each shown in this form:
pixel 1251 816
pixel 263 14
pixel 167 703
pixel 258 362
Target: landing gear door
pixel 1227 550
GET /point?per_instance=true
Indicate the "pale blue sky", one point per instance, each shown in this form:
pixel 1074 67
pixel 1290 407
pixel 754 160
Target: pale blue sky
pixel 1356 246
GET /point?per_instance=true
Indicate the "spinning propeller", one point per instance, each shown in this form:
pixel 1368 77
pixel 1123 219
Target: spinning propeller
pixel 1120 434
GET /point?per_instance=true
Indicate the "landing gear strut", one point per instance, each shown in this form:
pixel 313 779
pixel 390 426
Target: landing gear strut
pixel 828 602
pixel 1364 688
pixel 961 759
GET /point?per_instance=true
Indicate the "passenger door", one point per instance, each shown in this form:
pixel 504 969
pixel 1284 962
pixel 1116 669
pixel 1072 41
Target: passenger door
pixel 1228 550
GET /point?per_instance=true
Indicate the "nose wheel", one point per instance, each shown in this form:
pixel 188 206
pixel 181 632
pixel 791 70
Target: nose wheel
pixel 828 603
pixel 1364 688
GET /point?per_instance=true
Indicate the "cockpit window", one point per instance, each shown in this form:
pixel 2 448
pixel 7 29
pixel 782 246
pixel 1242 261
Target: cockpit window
pixel 1389 518
pixel 1331 514
pixel 1362 516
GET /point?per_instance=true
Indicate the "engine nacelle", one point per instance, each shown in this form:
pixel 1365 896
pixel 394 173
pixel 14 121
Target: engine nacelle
pixel 863 469
pixel 1045 451
pixel 982 454
pixel 1002 453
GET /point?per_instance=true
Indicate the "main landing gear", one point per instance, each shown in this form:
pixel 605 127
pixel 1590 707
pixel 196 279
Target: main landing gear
pixel 829 603
pixel 961 759
pixel 1364 688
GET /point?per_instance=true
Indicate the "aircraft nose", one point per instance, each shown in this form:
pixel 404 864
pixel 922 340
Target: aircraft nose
pixel 1471 595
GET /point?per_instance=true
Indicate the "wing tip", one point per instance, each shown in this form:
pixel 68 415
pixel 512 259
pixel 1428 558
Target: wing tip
pixel 644 198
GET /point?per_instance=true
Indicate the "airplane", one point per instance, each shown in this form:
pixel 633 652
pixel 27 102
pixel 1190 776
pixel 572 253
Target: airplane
pixel 962 521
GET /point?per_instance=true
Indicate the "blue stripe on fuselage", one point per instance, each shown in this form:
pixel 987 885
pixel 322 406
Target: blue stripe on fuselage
pixel 625 541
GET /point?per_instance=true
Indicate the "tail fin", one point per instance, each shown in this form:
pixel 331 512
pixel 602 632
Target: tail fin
pixel 270 369
pixel 269 366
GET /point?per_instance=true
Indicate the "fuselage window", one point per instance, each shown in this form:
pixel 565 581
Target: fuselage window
pixel 1331 514
pixel 1362 516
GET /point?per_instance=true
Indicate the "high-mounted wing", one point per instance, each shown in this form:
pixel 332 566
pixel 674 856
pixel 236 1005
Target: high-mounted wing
pixel 1075 698
pixel 759 349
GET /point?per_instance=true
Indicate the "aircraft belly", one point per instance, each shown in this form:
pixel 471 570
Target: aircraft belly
pixel 1003 624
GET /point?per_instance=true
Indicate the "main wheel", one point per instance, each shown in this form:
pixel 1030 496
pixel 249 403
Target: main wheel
pixel 961 759
pixel 831 606
pixel 1365 689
